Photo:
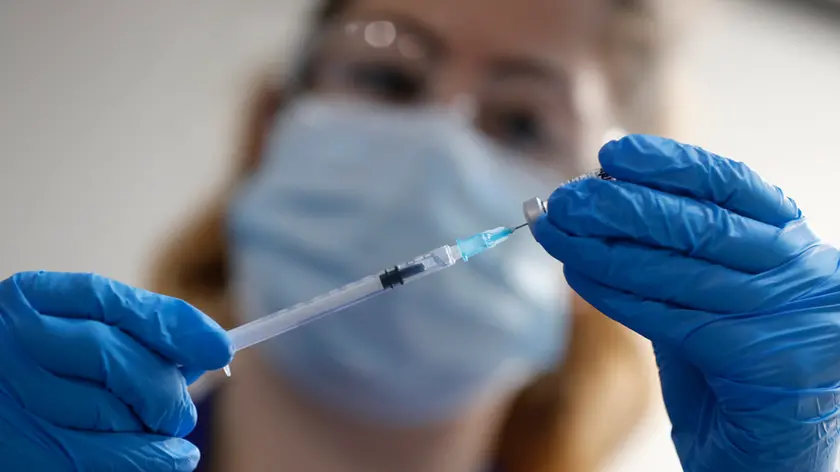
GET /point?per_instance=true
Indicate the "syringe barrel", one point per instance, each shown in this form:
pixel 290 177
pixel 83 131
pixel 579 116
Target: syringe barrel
pixel 535 207
pixel 290 318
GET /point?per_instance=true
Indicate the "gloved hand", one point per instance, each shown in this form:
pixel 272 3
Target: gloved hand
pixel 741 300
pixel 89 376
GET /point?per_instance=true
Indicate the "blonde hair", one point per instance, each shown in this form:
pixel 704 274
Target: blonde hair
pixel 569 419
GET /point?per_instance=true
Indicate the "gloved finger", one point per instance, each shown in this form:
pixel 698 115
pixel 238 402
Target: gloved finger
pixel 62 402
pixel 169 326
pixel 666 276
pixel 657 321
pixel 128 452
pixel 83 349
pixel 686 170
pixel 623 210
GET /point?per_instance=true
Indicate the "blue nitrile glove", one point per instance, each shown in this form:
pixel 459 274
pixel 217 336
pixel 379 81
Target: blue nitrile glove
pixel 741 300
pixel 89 376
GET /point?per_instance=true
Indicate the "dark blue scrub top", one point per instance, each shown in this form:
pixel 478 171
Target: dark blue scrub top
pixel 202 435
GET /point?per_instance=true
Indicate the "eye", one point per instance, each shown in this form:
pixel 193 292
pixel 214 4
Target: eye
pixel 517 128
pixel 387 82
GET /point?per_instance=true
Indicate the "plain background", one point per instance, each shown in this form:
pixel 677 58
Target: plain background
pixel 117 119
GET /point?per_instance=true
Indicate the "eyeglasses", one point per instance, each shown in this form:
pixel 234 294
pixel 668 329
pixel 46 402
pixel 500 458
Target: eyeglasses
pixel 518 105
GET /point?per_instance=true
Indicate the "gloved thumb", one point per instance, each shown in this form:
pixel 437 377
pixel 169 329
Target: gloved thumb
pixel 168 326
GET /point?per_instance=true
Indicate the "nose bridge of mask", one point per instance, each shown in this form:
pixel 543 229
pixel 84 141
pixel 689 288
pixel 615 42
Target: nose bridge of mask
pixel 445 131
pixel 328 162
pixel 436 143
pixel 339 146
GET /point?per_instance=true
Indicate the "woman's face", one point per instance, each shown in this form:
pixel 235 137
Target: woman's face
pixel 520 66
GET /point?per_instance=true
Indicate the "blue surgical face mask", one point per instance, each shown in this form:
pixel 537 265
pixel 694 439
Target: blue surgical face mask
pixel 347 189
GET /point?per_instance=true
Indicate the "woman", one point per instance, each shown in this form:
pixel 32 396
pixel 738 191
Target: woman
pixel 543 79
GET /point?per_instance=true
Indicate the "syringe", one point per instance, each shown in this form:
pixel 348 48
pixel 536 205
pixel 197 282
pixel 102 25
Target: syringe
pixel 438 259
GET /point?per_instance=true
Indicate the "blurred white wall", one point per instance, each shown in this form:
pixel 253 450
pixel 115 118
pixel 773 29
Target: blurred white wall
pixel 767 79
pixel 117 118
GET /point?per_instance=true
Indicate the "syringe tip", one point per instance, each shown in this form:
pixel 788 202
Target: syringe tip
pixel 227 370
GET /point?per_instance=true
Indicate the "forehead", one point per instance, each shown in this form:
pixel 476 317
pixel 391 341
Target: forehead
pixel 547 30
